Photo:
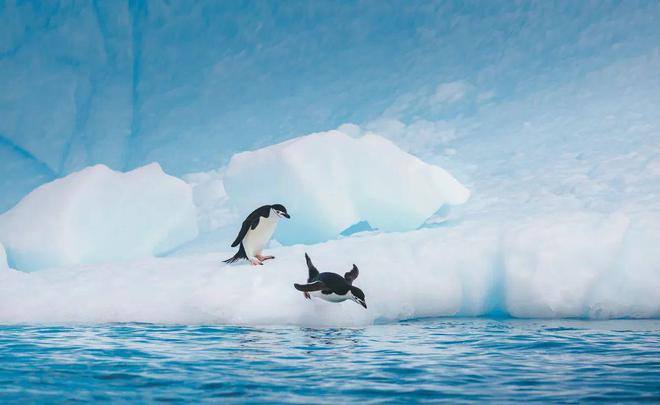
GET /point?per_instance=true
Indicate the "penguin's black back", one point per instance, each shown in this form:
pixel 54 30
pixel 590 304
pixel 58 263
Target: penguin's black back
pixel 251 222
pixel 334 283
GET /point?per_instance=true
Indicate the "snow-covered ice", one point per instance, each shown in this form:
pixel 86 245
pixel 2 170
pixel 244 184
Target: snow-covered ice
pixel 98 215
pixel 330 181
pixel 572 265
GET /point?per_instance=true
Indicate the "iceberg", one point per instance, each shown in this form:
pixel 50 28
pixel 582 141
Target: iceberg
pixel 565 172
pixel 330 181
pixel 97 215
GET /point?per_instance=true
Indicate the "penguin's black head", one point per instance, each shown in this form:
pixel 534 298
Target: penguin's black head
pixel 280 210
pixel 358 296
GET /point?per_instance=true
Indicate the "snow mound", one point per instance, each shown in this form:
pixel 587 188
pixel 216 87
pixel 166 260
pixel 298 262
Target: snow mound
pixel 329 181
pixel 580 265
pixel 96 215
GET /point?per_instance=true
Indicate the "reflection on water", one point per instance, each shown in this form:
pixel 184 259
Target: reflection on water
pixel 450 359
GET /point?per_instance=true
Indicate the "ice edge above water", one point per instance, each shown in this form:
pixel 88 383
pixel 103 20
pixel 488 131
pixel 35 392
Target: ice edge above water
pixel 575 265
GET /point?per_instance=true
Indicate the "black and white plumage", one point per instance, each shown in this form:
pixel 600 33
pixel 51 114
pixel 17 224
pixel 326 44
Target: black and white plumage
pixel 255 233
pixel 331 286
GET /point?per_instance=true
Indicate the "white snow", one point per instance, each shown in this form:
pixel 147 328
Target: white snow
pixel 571 265
pixel 329 181
pixel 98 215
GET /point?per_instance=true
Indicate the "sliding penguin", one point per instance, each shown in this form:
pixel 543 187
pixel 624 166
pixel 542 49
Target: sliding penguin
pixel 256 231
pixel 331 286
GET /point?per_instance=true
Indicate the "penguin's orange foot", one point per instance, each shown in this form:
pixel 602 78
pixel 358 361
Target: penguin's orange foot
pixel 307 295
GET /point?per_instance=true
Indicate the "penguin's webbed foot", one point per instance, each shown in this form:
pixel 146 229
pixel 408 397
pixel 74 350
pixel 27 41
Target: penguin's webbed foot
pixel 256 262
pixel 306 294
pixel 264 258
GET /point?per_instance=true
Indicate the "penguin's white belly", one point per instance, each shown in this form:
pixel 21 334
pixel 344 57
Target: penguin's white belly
pixel 256 239
pixel 329 297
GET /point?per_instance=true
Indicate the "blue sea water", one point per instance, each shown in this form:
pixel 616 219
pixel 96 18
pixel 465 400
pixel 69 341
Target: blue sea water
pixel 452 360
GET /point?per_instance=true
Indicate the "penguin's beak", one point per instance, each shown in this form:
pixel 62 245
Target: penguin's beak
pixel 364 304
pixel 285 215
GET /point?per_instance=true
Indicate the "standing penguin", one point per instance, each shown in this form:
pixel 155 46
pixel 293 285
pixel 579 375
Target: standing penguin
pixel 256 231
pixel 331 286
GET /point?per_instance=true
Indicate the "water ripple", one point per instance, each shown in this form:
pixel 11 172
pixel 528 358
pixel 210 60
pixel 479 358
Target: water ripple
pixel 452 360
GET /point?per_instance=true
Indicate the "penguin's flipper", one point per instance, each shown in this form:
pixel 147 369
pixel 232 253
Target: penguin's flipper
pixel 352 275
pixel 255 223
pixel 317 286
pixel 313 271
pixel 242 232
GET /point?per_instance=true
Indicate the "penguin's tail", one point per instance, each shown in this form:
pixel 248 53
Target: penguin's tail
pixel 238 256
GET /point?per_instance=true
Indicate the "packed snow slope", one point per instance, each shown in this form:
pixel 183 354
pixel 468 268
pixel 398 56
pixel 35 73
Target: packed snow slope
pixel 572 265
pixel 332 181
pixel 99 215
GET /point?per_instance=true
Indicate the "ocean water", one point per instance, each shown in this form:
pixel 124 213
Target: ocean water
pixel 450 360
